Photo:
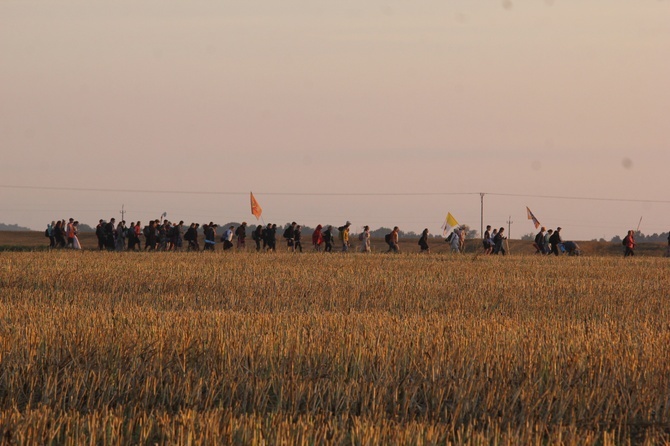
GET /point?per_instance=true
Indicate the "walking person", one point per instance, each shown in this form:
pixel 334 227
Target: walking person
pixel 266 234
pixel 392 240
pixel 499 242
pixel 344 235
pixel 75 238
pixel 210 236
pixel 328 239
pixel 69 233
pixel 364 238
pixel 423 242
pixel 131 236
pixel 137 230
pixel 629 244
pixel 163 235
pixel 100 234
pixel 297 238
pixel 190 236
pixel 120 242
pixel 227 238
pixel 241 233
pixel 110 242
pixel 461 239
pixel 547 242
pixel 289 236
pixel 317 238
pixel 555 241
pixel 150 236
pixel 456 241
pixel 539 241
pixel 59 234
pixel 50 233
pixel 271 236
pixel 257 236
pixel 487 242
pixel 178 232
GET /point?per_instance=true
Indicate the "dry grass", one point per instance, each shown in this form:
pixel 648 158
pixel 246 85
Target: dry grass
pixel 120 348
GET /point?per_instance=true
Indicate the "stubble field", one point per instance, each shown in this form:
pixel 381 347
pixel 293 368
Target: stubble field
pixel 201 348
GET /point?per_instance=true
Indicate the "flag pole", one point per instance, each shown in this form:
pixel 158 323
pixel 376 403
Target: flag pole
pixel 638 225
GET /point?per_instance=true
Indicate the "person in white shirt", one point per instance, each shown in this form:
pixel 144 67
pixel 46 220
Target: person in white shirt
pixel 228 238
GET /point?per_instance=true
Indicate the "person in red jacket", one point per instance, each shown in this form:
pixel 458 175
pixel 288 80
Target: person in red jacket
pixel 317 238
pixel 629 243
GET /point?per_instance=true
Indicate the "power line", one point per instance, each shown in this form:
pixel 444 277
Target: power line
pixel 334 194
pixel 559 197
pixel 185 192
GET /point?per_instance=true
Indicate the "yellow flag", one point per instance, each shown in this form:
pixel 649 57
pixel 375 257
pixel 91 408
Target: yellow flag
pixel 449 223
pixel 256 209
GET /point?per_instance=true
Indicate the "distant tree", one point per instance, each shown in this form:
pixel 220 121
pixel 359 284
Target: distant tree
pixel 83 227
pixel 6 227
pixel 528 237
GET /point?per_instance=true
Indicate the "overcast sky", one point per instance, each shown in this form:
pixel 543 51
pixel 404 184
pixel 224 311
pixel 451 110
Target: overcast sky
pixel 547 98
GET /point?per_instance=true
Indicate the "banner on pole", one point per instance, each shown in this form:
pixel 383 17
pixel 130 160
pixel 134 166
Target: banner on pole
pixel 256 209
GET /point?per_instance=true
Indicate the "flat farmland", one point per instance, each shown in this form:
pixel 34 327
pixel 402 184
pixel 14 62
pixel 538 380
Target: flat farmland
pixel 193 348
pixel 35 240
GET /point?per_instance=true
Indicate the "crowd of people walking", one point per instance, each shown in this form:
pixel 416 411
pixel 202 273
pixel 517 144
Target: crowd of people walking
pixel 63 235
pixel 168 236
pixel 550 242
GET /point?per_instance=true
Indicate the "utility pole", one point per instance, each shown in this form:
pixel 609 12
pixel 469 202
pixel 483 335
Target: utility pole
pixel 123 213
pixel 481 228
pixel 509 227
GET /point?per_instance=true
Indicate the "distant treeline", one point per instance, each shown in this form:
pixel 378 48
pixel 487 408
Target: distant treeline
pixel 377 233
pixel 641 238
pixel 5 227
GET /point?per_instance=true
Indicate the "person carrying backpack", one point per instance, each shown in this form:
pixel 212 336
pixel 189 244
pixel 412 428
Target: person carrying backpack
pixel 289 235
pixel 210 236
pixel 423 241
pixel 392 240
pixel 227 238
pixel 328 239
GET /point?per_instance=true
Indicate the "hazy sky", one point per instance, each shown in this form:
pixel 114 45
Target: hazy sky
pixel 555 98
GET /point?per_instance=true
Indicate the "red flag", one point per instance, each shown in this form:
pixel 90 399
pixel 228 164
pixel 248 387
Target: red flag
pixel 532 217
pixel 256 209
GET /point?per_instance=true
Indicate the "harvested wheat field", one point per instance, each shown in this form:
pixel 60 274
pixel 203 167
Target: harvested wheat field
pixel 168 348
